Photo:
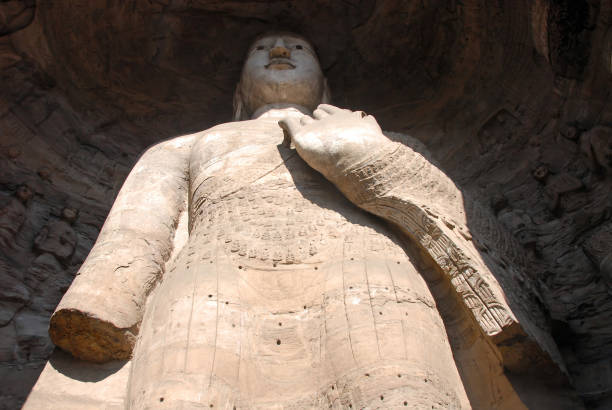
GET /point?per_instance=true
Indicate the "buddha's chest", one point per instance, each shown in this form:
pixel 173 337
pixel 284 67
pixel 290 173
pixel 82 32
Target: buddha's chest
pixel 246 156
pixel 283 224
pixel 260 201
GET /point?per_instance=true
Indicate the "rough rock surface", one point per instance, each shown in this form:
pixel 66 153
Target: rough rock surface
pixel 512 98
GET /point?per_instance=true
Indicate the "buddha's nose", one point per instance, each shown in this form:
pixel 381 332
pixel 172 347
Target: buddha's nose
pixel 279 50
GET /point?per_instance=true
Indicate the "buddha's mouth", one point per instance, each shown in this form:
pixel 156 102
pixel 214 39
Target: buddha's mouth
pixel 280 64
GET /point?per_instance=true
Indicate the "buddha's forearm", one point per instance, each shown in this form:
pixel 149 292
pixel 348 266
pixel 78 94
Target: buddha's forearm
pixel 407 189
pixel 99 316
pixel 398 174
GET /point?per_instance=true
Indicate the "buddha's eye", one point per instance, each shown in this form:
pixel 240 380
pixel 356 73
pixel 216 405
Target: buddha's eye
pixel 260 47
pixel 298 47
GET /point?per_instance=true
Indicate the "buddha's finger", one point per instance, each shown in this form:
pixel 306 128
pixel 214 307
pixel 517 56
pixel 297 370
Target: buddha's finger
pixel 305 120
pixel 319 114
pixel 291 125
pixel 290 128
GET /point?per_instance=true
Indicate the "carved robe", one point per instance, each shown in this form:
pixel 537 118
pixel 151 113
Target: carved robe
pixel 284 292
pixel 274 289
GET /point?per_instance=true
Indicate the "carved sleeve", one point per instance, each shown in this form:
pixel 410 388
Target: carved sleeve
pixel 98 318
pixel 402 186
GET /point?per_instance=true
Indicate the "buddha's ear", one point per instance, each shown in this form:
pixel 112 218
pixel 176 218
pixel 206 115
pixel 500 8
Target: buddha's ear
pixel 238 105
pixel 326 97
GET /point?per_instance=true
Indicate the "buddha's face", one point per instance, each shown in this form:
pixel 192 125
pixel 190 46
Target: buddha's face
pixel 280 69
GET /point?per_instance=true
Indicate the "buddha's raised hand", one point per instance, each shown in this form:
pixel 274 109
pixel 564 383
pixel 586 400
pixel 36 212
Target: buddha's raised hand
pixel 334 139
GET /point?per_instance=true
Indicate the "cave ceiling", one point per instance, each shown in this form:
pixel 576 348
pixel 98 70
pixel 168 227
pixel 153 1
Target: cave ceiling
pixel 174 64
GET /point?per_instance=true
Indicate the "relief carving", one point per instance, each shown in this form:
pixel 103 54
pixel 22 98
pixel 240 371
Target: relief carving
pixel 58 237
pixel 13 215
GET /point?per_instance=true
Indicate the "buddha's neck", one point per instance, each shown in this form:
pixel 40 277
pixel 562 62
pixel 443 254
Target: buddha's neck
pixel 280 110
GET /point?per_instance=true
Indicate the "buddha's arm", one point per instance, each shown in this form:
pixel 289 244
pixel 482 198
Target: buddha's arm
pixel 99 316
pixel 399 183
pixel 404 187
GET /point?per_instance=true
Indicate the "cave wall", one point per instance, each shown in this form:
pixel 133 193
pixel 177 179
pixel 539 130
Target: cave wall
pixel 513 98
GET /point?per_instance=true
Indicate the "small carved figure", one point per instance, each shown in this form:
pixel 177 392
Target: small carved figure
pixel 596 145
pixel 500 128
pixel 599 248
pixel 13 214
pixel 58 237
pixel 41 268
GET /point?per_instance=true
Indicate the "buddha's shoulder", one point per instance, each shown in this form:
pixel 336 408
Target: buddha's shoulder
pixel 227 135
pixel 236 134
pixel 226 129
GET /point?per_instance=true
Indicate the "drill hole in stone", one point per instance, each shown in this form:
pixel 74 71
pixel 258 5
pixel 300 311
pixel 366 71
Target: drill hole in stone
pixel 399 375
pixel 316 268
pixel 278 342
pixel 161 399
pixel 382 397
pixel 367 375
pixel 274 265
pixel 210 296
pixel 333 388
pixel 405 403
pixel 240 267
pixel 280 323
pixel 227 303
